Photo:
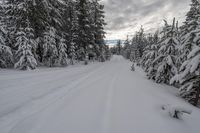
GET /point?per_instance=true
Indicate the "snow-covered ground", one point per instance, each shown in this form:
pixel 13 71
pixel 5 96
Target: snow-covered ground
pixel 98 98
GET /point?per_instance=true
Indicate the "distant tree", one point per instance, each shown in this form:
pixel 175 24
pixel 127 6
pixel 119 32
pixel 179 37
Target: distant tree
pixel 119 47
pixel 127 48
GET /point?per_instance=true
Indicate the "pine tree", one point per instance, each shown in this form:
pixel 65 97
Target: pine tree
pixel 167 54
pixel 189 75
pixel 119 47
pixel 73 32
pixel 108 53
pixel 50 53
pixel 6 55
pixel 72 53
pixel 152 54
pixel 62 52
pixel 186 30
pixel 19 22
pixel 86 36
pixel 25 43
pixel 145 59
pixel 97 14
pixel 127 48
pixel 81 21
pixel 140 42
pixel 137 46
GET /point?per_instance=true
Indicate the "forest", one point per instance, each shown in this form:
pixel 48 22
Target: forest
pixel 99 66
pixel 51 33
pixel 171 55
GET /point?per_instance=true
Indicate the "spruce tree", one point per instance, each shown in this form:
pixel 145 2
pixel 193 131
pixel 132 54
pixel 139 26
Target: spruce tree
pixel 21 33
pixel 145 59
pixel 97 14
pixel 167 54
pixel 73 32
pixel 127 48
pixel 119 47
pixel 189 75
pixel 62 52
pixel 152 54
pixel 86 36
pixel 6 55
pixel 50 53
pixel 72 53
pixel 25 59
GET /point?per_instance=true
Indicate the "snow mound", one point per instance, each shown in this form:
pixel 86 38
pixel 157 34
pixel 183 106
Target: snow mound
pixel 176 111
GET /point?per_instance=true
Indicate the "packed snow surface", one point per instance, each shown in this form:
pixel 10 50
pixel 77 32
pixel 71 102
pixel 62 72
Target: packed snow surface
pixel 97 98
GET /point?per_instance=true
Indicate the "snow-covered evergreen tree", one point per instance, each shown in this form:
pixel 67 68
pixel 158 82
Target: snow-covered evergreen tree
pixel 119 47
pixel 137 46
pixel 97 14
pixel 127 48
pixel 72 53
pixel 144 60
pixel 50 53
pixel 189 75
pixel 140 42
pixel 6 56
pixel 152 54
pixel 25 59
pixel 21 33
pixel 82 22
pixel 73 32
pixel 107 53
pixel 86 34
pixel 167 54
pixel 62 52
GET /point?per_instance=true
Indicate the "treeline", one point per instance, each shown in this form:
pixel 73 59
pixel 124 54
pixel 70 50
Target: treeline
pixel 51 33
pixel 117 49
pixel 172 55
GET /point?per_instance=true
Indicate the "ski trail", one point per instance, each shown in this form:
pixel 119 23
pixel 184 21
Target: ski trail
pixel 108 106
pixel 68 95
pixel 98 98
pixel 39 104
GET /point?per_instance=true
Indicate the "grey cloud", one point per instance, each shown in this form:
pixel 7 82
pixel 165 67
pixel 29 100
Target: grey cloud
pixel 129 14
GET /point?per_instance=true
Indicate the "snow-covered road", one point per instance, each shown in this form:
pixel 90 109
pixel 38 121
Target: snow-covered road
pixel 98 98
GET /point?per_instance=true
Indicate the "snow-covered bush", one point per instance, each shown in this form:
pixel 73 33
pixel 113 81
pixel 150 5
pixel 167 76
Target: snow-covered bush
pixel 133 67
pixel 176 111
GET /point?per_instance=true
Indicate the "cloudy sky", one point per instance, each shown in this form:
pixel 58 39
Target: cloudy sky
pixel 126 16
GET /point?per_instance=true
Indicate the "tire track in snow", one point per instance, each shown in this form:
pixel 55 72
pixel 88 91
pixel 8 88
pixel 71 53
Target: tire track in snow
pixel 108 106
pixel 107 123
